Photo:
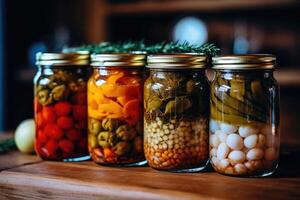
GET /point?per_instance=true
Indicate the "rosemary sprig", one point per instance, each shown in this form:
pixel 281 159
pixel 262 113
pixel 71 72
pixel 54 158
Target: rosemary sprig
pixel 208 49
pixel 7 145
pixel 176 47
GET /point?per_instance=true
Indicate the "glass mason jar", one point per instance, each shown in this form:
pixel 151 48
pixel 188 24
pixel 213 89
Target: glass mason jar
pixel 244 121
pixel 60 98
pixel 115 118
pixel 176 112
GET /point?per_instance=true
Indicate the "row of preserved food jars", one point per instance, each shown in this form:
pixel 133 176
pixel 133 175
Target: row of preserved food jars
pixel 168 115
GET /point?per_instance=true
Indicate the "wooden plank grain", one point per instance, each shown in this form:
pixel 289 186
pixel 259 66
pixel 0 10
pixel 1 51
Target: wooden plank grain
pixel 14 158
pixel 89 181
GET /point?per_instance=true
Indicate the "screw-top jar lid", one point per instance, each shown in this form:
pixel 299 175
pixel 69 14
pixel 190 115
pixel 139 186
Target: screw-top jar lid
pixel 244 62
pixel 62 59
pixel 177 61
pixel 119 60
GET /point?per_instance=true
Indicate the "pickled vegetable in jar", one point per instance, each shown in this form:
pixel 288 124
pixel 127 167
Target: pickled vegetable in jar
pixel 176 113
pixel 115 117
pixel 60 106
pixel 244 122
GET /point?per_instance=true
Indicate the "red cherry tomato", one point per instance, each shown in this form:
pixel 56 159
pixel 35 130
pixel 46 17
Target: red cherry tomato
pixel 49 114
pixel 51 148
pixel 40 122
pixel 65 123
pixel 53 131
pixel 73 134
pixel 79 112
pixel 62 108
pixel 66 145
pixel 42 137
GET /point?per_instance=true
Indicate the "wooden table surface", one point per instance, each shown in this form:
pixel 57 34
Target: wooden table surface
pixel 27 177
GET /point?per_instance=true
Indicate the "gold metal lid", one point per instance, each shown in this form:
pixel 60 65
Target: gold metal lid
pixel 62 59
pixel 244 62
pixel 119 60
pixel 177 61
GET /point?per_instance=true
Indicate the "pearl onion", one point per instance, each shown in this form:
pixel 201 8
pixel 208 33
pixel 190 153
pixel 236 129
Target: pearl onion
pixel 270 154
pixel 224 163
pixel 214 161
pixel 261 141
pixel 213 125
pixel 222 136
pixel 250 141
pixel 254 165
pixel 228 128
pixel 214 140
pixel 236 157
pixel 213 152
pixel 234 141
pixel 222 151
pixel 245 131
pixel 240 168
pixel 255 154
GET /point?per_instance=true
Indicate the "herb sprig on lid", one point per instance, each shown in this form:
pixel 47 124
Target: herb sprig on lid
pixel 208 49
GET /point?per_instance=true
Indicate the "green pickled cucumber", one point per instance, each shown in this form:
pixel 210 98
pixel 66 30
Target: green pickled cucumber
pixel 231 119
pixel 223 107
pixel 237 89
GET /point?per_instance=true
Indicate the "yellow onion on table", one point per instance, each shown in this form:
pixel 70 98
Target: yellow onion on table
pixel 24 136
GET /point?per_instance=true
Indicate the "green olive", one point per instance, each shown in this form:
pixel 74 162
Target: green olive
pixel 110 124
pixel 106 139
pixel 59 92
pixel 121 148
pixel 138 145
pixel 92 140
pixel 125 132
pixel 94 126
pixel 44 97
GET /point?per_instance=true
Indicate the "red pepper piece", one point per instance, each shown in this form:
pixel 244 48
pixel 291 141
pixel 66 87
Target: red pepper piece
pixel 66 145
pixel 79 112
pixel 49 114
pixel 63 108
pixel 65 123
pixel 73 134
pixel 53 131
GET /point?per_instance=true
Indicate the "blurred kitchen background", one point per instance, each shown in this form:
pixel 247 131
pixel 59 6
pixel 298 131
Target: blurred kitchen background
pixel 236 26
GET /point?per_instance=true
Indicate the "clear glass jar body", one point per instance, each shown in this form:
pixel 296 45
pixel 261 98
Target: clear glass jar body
pixel 115 118
pixel 176 111
pixel 61 112
pixel 244 122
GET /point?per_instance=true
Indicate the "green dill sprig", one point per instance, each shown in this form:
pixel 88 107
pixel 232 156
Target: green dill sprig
pixel 176 47
pixel 208 49
pixel 7 145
